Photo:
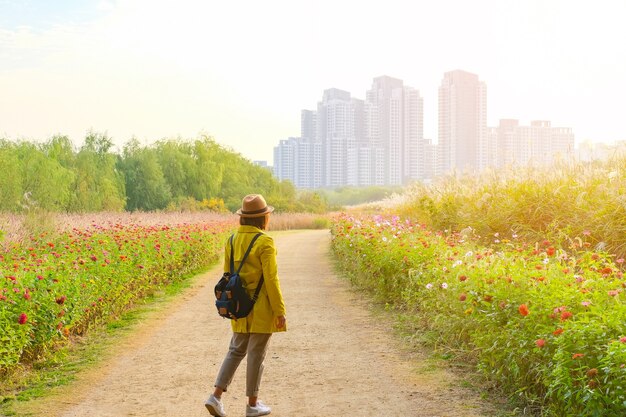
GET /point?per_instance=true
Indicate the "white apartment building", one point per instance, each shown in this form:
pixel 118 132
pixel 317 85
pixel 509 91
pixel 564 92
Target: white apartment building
pixel 534 145
pixel 463 136
pixel 394 123
pixel 338 121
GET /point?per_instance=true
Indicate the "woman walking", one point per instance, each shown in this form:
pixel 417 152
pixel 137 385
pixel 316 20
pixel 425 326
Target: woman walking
pixel 251 334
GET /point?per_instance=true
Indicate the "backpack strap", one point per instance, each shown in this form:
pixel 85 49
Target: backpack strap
pixel 245 256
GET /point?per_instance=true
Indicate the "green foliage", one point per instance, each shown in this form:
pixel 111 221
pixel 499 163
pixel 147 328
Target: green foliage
pixel 547 323
pixel 10 178
pixel 146 188
pixel 170 174
pixel 56 287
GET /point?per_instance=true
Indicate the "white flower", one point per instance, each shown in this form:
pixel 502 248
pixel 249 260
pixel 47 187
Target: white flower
pixel 444 285
pixel 514 236
pixel 468 254
pixel 457 263
pixel 496 241
pixel 384 238
pixel 429 286
pixel 546 261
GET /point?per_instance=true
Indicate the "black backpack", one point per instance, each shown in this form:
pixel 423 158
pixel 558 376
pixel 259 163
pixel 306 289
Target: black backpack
pixel 233 301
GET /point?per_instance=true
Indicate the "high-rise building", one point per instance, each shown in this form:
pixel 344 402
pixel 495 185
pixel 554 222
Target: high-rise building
pixel 298 160
pixel 463 139
pixel 339 118
pixel 394 126
pixel 537 144
pixel 284 160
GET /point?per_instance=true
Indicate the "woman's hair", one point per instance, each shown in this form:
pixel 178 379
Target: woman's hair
pixel 260 222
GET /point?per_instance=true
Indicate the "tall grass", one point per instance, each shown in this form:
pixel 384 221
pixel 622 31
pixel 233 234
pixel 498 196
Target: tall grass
pixel 570 199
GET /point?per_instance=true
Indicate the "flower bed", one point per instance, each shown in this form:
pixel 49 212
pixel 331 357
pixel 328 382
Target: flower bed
pixel 546 323
pixel 55 287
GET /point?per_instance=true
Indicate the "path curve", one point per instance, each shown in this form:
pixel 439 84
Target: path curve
pixel 337 358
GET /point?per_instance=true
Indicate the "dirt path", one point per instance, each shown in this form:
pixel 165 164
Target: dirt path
pixel 336 359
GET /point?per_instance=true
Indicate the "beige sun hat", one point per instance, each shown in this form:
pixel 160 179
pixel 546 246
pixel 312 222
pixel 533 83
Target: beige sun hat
pixel 254 205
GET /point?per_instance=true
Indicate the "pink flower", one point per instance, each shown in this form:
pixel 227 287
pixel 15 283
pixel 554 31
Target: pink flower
pixel 540 343
pixel 623 339
pixel 586 303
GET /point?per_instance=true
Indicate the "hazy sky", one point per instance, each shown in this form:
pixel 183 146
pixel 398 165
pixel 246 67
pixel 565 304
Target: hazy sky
pixel 241 71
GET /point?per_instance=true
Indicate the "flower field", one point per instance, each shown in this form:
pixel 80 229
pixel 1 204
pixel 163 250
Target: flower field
pixel 544 321
pixel 56 285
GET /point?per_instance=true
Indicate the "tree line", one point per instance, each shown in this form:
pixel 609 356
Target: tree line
pixel 171 174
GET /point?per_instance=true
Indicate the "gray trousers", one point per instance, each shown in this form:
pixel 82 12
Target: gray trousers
pixel 253 344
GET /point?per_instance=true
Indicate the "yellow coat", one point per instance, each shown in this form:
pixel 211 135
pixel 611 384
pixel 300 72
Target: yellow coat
pixel 262 258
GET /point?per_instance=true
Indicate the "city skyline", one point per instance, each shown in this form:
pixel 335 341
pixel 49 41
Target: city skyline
pixel 231 69
pixel 380 140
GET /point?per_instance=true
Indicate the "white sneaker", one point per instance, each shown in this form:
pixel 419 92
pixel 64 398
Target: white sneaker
pixel 215 407
pixel 259 410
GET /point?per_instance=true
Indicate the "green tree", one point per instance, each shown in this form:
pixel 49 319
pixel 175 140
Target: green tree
pixel 178 166
pixel 45 183
pixel 99 186
pixel 10 177
pixel 146 188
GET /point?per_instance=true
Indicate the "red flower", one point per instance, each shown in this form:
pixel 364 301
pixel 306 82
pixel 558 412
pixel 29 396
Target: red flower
pixel 623 339
pixel 566 315
pixel 577 355
pixel 551 251
pixel 557 331
pixel 606 271
pixel 540 343
pixel 462 278
pixel 61 300
pixel 523 310
pixel 462 297
pixel 23 318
